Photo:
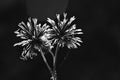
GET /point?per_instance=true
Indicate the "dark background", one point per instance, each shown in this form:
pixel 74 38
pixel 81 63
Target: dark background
pixel 96 59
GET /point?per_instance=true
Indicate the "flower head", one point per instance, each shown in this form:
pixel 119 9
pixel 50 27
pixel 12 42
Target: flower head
pixel 34 37
pixel 64 33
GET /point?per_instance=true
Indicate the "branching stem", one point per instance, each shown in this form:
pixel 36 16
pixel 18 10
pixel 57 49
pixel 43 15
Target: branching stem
pixel 54 63
pixel 44 58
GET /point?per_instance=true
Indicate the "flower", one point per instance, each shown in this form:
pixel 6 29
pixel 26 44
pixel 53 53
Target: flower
pixel 35 37
pixel 64 33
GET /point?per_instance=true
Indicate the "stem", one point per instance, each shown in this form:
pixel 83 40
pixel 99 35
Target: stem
pixel 51 53
pixel 54 75
pixel 42 54
pixel 56 52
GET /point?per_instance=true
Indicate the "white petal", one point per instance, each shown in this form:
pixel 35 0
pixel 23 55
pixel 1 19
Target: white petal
pixel 78 29
pixel 74 45
pixel 55 41
pixel 64 20
pixel 39 27
pixel 65 15
pixel 19 35
pixel 58 16
pixel 45 27
pixel 52 22
pixel 35 25
pixel 46 37
pixel 29 26
pixel 48 30
pixel 35 21
pixel 73 32
pixel 77 39
pixel 23 42
pixel 55 28
pixel 76 42
pixel 59 44
pixel 29 19
pixel 80 41
pixel 69 46
pixel 71 20
pixel 22 37
pixel 79 33
pixel 73 27
pixel 22 25
pixel 63 43
pixel 26 52
pixel 17 31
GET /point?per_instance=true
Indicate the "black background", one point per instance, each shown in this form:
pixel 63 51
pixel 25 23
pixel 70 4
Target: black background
pixel 96 59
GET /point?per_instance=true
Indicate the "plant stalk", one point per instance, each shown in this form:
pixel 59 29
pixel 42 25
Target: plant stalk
pixel 54 75
pixel 44 58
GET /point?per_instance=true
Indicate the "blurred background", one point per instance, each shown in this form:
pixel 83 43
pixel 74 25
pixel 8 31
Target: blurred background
pixel 97 58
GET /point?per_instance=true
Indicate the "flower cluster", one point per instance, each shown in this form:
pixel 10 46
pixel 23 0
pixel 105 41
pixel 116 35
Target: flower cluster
pixel 37 36
pixel 63 33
